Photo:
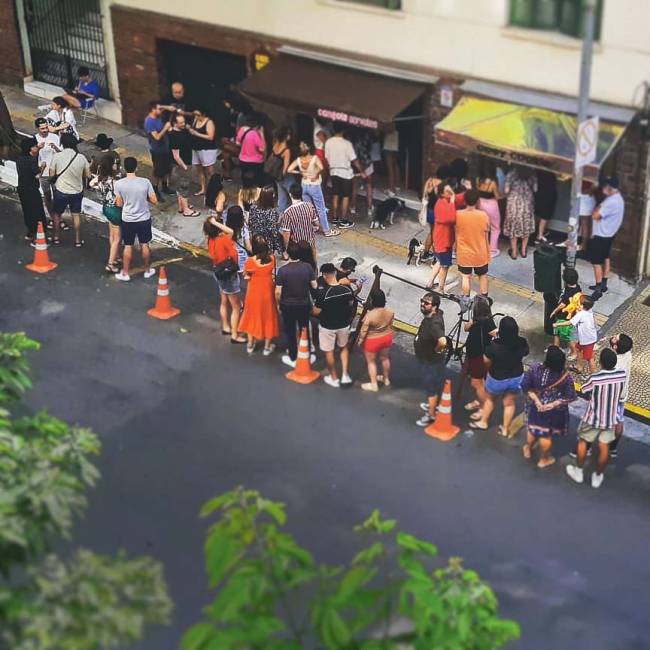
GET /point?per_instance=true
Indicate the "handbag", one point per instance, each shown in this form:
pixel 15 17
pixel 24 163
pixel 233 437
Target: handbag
pixel 422 215
pixel 113 213
pixel 226 269
pixel 274 165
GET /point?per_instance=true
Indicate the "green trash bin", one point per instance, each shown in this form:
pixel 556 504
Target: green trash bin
pixel 547 263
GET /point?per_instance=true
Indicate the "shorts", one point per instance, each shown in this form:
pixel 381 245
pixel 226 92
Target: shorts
pixel 377 344
pixel 182 179
pixel 599 248
pixel 329 339
pixel 566 333
pixel 63 201
pixel 204 157
pixel 477 270
pixel 590 434
pixel 230 285
pixel 475 367
pixel 342 187
pixel 620 413
pixel 433 377
pixel 444 258
pixel 503 386
pixel 162 163
pixel 47 188
pixel 587 351
pixel 132 229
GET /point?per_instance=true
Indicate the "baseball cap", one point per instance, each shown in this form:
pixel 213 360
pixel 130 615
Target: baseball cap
pixel 611 181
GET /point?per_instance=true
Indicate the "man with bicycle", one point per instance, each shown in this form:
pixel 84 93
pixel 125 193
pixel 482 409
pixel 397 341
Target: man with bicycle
pixel 430 349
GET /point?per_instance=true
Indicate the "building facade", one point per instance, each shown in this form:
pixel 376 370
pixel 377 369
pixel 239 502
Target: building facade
pixel 401 64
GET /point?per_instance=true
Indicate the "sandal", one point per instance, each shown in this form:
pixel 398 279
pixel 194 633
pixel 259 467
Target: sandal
pixel 111 268
pixel 547 463
pixel 333 233
pixel 512 255
pixel 194 213
pixel 64 226
pixel 502 432
pixel 56 241
pixel 472 406
pixel 476 416
pixel 79 244
pixel 476 425
pixel 525 450
pixel 226 332
pixel 267 352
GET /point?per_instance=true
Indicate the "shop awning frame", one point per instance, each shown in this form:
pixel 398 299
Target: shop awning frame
pixel 331 91
pixel 532 136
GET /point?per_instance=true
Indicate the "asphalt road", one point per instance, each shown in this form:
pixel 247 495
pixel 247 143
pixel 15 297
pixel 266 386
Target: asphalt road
pixel 184 416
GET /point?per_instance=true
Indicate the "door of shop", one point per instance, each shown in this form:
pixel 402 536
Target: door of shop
pixel 64 34
pixel 206 74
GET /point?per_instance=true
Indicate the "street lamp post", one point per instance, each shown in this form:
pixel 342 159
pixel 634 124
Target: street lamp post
pixel 589 7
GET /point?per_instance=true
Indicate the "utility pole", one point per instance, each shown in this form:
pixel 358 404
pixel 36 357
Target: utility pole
pixel 589 7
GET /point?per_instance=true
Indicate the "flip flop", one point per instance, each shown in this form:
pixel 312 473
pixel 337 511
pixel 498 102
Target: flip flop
pixel 475 425
pixel 525 450
pixel 475 417
pixel 502 433
pixel 550 461
pixel 79 244
pixel 512 256
pixel 194 213
pixel 472 406
pixel 333 233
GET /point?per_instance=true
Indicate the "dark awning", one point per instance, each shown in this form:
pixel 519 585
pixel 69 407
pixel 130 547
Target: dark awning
pixel 331 91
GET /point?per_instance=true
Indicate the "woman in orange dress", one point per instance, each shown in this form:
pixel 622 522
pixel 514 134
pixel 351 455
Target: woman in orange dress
pixel 260 318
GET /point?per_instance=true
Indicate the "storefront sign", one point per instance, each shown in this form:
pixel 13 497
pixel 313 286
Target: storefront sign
pixel 260 59
pixel 446 96
pixel 354 120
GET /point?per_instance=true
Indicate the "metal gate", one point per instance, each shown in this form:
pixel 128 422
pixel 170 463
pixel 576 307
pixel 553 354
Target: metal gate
pixel 64 34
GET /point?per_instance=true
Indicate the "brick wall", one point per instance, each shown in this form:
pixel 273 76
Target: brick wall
pixel 135 33
pixel 630 164
pixel 12 70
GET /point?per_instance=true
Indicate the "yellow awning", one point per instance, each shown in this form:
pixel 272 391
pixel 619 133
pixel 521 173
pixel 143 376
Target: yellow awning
pixel 522 134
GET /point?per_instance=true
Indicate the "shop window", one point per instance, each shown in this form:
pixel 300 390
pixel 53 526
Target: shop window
pixel 384 4
pixel 564 16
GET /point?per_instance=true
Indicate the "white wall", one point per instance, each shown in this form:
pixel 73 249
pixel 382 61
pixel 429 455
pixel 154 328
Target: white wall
pixel 467 37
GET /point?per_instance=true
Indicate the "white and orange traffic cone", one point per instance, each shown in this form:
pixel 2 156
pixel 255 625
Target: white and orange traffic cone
pixel 303 374
pixel 41 263
pixel 443 428
pixel 163 309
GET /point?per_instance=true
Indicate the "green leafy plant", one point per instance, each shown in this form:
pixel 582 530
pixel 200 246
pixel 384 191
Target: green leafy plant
pixel 395 593
pixel 46 603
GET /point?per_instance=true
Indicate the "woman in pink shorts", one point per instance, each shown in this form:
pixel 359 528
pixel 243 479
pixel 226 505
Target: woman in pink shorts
pixel 375 339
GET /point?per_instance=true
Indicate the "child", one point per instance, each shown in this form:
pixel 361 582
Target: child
pixel 622 345
pixel 587 333
pixel 566 334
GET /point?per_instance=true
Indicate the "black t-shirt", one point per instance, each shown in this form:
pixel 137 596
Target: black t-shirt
pixel 27 168
pixel 478 338
pixel 182 104
pixel 336 304
pixel 568 293
pixel 182 141
pixel 507 360
pixel 295 278
pixel 431 329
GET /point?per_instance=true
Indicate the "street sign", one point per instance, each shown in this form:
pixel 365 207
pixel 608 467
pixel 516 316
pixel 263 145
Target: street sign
pixel 587 142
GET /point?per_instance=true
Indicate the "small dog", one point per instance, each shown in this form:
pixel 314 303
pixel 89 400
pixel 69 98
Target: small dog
pixel 416 248
pixel 385 212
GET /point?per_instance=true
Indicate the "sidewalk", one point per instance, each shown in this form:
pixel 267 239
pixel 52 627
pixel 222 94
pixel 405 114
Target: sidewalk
pixel 511 282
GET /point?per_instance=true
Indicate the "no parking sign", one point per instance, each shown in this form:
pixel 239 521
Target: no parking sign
pixel 587 142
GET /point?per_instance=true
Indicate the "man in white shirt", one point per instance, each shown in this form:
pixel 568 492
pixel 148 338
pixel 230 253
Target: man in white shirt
pixel 135 195
pixel 70 169
pixel 48 144
pixel 341 158
pixel 607 219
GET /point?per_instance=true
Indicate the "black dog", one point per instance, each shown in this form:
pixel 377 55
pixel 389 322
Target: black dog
pixel 385 211
pixel 415 251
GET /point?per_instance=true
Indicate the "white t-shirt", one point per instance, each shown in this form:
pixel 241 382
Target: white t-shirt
pixel 624 362
pixel 611 216
pixel 46 153
pixel 587 204
pixel 391 141
pixel 71 177
pixel 585 326
pixel 134 193
pixel 54 118
pixel 340 154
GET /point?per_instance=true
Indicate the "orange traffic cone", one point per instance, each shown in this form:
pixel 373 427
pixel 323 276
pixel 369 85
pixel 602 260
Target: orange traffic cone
pixel 41 263
pixel 163 308
pixel 303 374
pixel 443 428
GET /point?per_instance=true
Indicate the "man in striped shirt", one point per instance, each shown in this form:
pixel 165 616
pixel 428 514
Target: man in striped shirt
pixel 599 420
pixel 299 221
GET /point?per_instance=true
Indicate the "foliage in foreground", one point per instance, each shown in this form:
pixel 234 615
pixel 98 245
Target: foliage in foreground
pixel 393 594
pixel 88 601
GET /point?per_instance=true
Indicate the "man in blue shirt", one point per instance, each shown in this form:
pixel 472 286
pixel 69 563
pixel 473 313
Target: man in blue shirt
pixel 607 219
pixel 86 93
pixel 161 157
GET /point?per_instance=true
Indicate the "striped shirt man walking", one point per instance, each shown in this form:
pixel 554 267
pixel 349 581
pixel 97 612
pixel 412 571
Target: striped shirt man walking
pixel 300 220
pixel 598 422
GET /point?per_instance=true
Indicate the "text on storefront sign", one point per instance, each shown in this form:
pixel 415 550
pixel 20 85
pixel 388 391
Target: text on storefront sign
pixel 354 120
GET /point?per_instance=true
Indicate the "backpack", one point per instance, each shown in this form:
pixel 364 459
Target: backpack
pixel 274 166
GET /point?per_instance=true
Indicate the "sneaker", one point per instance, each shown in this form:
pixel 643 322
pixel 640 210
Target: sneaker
pixel 425 421
pixel 149 274
pixel 494 254
pixel 122 277
pixel 334 383
pixel 373 388
pixel 345 224
pixel 424 406
pixel 575 473
pixel 346 380
pixel 597 480
pixel 288 361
